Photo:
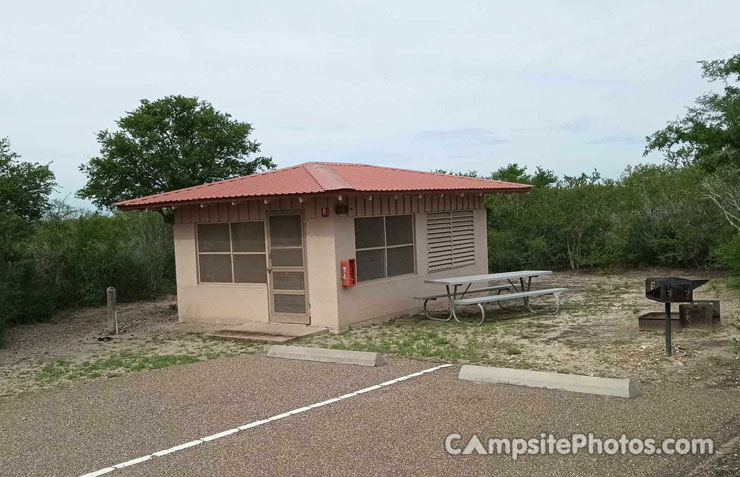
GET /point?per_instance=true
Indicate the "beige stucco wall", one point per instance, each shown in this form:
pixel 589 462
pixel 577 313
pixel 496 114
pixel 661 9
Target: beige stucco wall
pixel 329 240
pixel 322 271
pixel 212 302
pixel 390 297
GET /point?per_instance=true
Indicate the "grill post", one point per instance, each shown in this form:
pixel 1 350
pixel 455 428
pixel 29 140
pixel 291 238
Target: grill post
pixel 671 289
pixel 668 329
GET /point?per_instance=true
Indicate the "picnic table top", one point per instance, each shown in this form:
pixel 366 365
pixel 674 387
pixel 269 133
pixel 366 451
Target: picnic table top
pixel 488 277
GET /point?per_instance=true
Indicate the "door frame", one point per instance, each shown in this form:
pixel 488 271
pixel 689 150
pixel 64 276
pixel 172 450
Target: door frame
pixel 275 317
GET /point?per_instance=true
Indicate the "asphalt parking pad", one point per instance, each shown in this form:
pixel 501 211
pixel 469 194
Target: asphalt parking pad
pixel 400 430
pixel 396 430
pixel 84 427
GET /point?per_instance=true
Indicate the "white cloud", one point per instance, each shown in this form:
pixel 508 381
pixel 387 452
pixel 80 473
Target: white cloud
pixel 470 85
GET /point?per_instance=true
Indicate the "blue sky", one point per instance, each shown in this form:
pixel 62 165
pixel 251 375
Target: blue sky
pixel 568 85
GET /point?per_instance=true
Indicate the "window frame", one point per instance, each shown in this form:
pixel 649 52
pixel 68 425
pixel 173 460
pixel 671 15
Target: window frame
pixel 385 247
pixel 230 253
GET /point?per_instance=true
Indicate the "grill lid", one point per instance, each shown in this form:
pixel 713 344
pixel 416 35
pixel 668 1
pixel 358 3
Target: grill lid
pixel 672 289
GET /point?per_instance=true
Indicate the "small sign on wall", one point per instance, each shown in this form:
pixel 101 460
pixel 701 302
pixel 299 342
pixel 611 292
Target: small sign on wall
pixel 325 211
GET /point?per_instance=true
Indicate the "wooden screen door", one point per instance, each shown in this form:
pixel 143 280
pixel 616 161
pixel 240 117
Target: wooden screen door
pixel 287 268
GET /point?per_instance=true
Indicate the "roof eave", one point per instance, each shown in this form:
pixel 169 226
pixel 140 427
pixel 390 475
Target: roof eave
pixel 124 206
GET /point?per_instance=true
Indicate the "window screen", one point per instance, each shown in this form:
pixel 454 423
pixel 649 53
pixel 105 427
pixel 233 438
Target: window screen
pixel 213 238
pixel 400 260
pixel 369 232
pixel 384 246
pixel 250 268
pixel 450 239
pixel 288 281
pixel 232 253
pixel 285 231
pixel 215 268
pixel 398 230
pixel 370 264
pixel 289 303
pixel 248 236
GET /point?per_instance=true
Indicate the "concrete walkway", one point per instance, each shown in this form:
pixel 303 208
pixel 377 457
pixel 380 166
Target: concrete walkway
pixel 397 430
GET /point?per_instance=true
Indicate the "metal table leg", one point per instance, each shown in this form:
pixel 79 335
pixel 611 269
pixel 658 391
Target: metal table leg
pixel 429 316
pixel 522 287
pixel 452 297
pixel 526 299
pixel 482 314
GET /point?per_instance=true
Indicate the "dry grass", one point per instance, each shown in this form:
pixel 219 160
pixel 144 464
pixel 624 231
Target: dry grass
pixel 74 345
pixel 595 333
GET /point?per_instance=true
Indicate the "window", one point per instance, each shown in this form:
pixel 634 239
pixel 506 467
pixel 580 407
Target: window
pixel 450 239
pixel 232 253
pixel 384 246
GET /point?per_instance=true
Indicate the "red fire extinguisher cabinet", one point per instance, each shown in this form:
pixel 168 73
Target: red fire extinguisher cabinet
pixel 349 273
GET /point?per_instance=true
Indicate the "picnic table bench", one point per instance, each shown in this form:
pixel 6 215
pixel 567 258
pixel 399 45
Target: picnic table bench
pixel 428 298
pixel 555 292
pixel 521 292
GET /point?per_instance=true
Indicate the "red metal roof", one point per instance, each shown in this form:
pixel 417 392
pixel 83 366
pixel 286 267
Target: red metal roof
pixel 315 178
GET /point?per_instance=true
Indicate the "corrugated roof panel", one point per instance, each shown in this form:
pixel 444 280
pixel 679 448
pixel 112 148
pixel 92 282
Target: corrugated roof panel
pixel 323 177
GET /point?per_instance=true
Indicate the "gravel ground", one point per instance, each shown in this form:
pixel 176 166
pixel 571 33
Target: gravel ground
pixel 596 333
pixel 79 336
pixel 398 430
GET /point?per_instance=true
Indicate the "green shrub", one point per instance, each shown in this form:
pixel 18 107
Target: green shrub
pixel 80 256
pixel 652 216
pixel 729 254
pixel 70 257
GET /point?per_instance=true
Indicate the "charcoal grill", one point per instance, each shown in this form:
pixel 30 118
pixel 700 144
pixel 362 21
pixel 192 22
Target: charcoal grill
pixel 671 290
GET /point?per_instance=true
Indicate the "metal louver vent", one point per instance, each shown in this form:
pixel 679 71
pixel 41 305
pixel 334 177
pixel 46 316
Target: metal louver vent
pixel 450 239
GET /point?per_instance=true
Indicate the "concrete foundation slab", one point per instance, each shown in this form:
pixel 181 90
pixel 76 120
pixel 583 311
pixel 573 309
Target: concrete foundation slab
pixel 266 332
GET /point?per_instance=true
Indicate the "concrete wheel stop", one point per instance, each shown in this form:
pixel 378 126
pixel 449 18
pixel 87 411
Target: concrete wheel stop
pixel 341 356
pixel 538 379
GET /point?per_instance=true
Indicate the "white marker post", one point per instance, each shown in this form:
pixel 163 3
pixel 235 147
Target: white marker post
pixel 112 316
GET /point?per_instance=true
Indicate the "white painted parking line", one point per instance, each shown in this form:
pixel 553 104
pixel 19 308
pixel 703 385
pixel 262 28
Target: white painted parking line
pixel 132 462
pixel 177 448
pixel 213 437
pixel 367 390
pixel 251 425
pixel 279 416
pixel 100 472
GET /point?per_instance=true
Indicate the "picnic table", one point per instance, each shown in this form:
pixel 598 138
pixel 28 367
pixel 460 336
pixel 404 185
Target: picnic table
pixel 521 290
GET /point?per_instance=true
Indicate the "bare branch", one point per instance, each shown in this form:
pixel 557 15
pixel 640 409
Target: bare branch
pixel 725 194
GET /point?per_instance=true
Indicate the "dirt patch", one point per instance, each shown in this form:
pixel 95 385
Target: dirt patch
pixel 595 333
pixel 75 345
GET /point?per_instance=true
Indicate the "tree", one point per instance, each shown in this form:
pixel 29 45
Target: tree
pixel 24 186
pixel 459 173
pixel 511 173
pixel 709 134
pixel 514 173
pixel 169 144
pixel 24 195
pixel 723 189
